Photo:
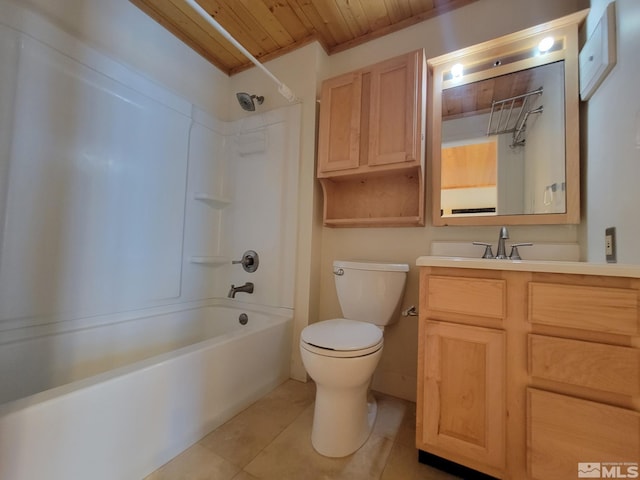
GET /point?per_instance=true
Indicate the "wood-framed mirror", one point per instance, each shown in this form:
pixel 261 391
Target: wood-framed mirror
pixel 504 123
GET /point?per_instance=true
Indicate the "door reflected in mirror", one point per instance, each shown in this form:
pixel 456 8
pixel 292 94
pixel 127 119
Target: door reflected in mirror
pixel 503 145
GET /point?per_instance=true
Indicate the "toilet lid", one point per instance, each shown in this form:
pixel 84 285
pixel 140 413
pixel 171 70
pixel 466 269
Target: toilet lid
pixel 342 334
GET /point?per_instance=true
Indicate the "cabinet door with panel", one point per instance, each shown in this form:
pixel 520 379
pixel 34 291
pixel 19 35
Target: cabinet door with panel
pixel 395 129
pixel 339 135
pixel 462 414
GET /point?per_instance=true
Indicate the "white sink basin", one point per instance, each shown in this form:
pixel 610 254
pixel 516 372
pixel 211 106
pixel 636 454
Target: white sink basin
pixel 567 252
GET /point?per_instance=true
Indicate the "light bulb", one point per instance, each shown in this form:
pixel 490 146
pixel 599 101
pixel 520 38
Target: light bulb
pixel 545 44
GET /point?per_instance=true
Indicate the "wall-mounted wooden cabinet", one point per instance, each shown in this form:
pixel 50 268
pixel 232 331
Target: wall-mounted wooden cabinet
pixel 371 144
pixel 526 375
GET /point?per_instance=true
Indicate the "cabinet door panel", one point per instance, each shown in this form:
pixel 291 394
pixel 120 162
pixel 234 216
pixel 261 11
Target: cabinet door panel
pixel 565 431
pixel 464 397
pixel 339 134
pixel 394 125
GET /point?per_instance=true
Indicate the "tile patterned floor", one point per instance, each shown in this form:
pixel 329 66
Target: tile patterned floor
pixel 271 440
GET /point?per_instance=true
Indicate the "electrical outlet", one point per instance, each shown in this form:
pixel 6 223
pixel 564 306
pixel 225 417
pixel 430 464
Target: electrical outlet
pixel 610 244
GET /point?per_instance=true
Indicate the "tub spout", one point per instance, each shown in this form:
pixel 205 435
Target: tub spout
pixel 246 288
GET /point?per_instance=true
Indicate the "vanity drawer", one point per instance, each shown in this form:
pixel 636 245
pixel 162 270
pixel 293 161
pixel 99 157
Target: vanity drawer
pixel 565 431
pixel 467 296
pixel 602 367
pixel 610 310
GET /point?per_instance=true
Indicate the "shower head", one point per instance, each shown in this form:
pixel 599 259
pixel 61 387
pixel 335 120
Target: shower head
pixel 246 101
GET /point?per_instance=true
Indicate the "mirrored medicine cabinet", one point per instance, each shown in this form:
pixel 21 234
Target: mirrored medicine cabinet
pixel 504 121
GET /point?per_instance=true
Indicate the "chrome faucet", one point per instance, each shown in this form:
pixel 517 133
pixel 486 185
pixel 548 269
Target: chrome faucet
pixel 502 254
pixel 246 288
pixel 502 250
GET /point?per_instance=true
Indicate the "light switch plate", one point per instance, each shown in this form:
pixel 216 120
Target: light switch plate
pixel 598 55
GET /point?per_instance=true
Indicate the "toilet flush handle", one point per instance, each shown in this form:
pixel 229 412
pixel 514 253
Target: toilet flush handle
pixel 339 272
pixel 412 311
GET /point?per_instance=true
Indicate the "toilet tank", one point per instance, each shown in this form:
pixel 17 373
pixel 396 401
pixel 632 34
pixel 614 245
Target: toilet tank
pixel 370 291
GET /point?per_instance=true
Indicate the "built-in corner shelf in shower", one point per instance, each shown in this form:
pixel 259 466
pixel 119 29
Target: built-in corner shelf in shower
pixel 212 200
pixel 210 260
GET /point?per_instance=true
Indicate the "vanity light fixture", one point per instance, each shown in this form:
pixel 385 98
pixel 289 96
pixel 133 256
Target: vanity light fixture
pixel 456 70
pixel 545 44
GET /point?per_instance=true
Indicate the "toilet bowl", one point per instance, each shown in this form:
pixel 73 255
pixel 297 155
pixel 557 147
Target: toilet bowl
pixel 341 354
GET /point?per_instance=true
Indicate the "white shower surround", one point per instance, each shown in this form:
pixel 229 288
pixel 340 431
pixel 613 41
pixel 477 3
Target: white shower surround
pixel 100 182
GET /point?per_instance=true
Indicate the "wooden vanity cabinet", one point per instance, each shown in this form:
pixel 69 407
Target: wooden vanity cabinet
pixel 525 375
pixel 371 144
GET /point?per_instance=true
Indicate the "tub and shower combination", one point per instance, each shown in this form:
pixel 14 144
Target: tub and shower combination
pixel 136 408
pixel 122 206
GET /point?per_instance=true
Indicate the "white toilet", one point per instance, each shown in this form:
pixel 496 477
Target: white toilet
pixel 340 355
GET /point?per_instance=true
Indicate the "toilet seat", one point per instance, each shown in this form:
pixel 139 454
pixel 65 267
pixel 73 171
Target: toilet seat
pixel 341 337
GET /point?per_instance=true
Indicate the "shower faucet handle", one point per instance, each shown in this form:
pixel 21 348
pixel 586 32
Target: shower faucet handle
pixel 249 261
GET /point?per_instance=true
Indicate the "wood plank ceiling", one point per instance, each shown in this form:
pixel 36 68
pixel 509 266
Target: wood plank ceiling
pixel 476 98
pixel 269 28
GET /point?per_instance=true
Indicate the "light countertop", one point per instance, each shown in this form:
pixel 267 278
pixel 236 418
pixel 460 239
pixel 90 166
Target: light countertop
pixel 577 268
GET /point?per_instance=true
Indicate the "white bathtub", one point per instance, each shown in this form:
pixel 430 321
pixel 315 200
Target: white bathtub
pixel 125 422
